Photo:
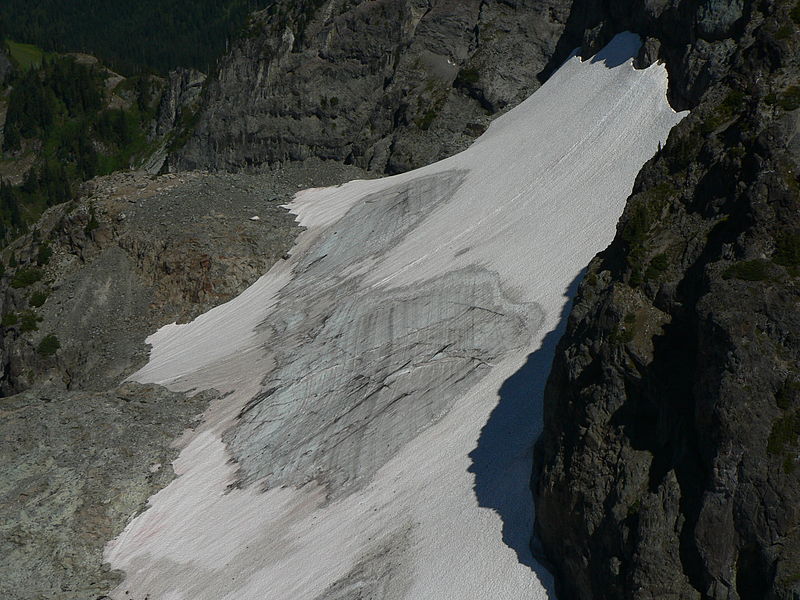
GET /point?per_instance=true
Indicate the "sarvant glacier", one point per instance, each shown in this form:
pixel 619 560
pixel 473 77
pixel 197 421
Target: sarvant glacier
pixel 350 456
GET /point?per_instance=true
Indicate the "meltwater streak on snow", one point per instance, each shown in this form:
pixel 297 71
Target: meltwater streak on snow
pixel 540 193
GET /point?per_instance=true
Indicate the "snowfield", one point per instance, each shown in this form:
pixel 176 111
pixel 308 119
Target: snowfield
pixel 383 384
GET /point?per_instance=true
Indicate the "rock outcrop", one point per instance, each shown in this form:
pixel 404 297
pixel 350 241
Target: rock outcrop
pixel 386 85
pixel 81 451
pixel 668 466
pixel 136 252
pixel 74 467
pixel 179 100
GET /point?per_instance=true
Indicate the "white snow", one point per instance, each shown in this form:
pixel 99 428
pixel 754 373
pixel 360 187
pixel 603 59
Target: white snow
pixel 542 193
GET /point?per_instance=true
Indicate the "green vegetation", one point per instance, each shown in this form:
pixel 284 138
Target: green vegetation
pixel 748 270
pixel 43 255
pixel 430 104
pixel 646 210
pixel 786 429
pixel 634 233
pixel 787 250
pixel 37 299
pixel 635 507
pixel 62 106
pixel 784 433
pixel 661 193
pixel 682 148
pixel 131 36
pixel 9 320
pixel 49 345
pixel 623 335
pixel 732 105
pixel 786 396
pixel 25 55
pixel 301 14
pixel 184 128
pixel 643 215
pixel 795 13
pixel 784 32
pixel 466 77
pixel 658 266
pixel 25 277
pixel 629 332
pixel 425 121
pixel 29 321
pixel 788 463
pixel 790 98
pixel 10 214
pixel 92 224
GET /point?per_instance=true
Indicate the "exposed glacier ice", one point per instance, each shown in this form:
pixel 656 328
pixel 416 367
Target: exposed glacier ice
pixel 363 368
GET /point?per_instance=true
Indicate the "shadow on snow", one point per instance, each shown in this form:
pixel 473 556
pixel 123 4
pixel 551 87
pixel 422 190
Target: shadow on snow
pixel 502 462
pixel 624 47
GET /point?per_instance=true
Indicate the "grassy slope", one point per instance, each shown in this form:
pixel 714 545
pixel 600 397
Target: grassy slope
pixel 25 55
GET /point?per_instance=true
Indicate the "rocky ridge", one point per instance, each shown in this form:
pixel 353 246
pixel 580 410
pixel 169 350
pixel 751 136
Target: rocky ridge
pixel 385 85
pixel 668 462
pixel 75 466
pixel 134 253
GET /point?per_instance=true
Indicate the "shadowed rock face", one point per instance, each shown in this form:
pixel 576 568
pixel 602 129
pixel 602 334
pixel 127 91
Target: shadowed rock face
pixel 373 371
pixel 181 95
pixel 668 464
pixel 388 85
pixel 696 40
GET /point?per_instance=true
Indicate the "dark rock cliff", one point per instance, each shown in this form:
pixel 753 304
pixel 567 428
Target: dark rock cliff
pixel 668 466
pixel 387 85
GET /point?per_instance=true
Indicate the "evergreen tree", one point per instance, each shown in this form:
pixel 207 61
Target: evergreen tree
pixel 30 106
pixel 144 93
pixel 132 36
pixel 74 84
pixel 9 205
pixel 87 159
pixel 31 182
pixel 11 138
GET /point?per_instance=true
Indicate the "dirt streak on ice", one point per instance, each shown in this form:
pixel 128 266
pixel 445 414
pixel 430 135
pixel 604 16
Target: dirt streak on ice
pixel 544 188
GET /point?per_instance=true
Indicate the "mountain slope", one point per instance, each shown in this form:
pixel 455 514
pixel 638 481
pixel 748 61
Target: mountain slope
pixel 362 372
pixel 387 85
pixel 65 119
pixel 80 450
pixel 668 462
